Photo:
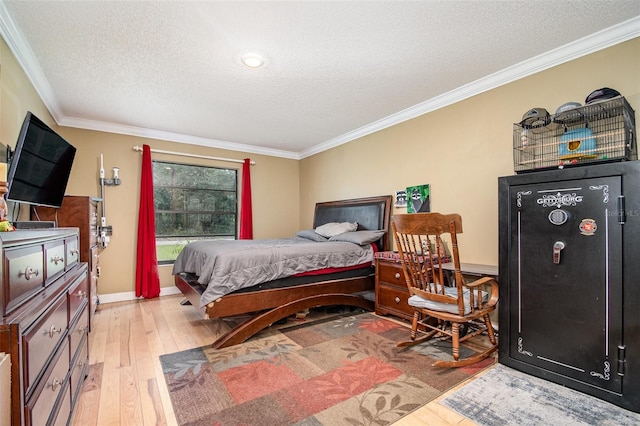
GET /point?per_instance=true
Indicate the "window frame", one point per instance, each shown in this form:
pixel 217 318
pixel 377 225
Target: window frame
pixel 189 237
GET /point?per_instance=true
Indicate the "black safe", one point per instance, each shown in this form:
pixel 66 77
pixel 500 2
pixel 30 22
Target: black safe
pixel 569 309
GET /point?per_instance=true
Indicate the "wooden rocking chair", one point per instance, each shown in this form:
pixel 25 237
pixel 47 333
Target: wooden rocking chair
pixel 454 309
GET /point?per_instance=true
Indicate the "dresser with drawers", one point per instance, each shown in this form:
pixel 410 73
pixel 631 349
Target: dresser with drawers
pixel 82 212
pixel 45 322
pixel 392 294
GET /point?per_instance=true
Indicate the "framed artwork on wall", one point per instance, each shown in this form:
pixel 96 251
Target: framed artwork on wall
pixel 418 199
pixel 401 198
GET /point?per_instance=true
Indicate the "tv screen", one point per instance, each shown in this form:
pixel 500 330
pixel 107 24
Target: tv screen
pixel 40 166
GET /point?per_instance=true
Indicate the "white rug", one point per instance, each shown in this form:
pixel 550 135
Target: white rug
pixel 504 396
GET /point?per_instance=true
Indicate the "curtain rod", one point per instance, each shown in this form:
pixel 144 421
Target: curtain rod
pixel 185 154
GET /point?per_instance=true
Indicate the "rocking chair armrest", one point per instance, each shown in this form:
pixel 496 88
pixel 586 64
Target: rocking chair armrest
pixel 480 281
pixel 493 296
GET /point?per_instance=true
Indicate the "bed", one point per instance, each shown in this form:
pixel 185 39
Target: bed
pixel 267 302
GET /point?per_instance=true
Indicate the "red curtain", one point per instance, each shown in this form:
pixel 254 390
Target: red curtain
pixel 147 278
pixel 246 215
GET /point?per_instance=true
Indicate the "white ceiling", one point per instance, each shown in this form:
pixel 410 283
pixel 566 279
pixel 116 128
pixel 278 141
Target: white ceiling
pixel 336 70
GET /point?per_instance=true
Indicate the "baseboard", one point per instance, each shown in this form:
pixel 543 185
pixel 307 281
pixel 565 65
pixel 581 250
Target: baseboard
pixel 131 295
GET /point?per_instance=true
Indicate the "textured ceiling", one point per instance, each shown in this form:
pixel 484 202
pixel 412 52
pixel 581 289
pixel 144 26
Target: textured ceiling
pixel 335 70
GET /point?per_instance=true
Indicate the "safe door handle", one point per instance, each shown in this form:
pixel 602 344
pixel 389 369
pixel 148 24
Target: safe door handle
pixel 558 246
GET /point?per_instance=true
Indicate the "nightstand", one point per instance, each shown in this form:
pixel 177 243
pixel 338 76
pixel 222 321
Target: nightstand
pixel 391 288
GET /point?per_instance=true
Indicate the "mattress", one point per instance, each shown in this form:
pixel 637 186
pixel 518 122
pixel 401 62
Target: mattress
pixel 225 266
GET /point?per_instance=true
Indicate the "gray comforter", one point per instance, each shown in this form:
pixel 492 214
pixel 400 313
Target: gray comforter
pixel 228 265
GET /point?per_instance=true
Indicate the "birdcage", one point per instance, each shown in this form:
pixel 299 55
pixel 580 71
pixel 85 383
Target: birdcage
pixel 598 132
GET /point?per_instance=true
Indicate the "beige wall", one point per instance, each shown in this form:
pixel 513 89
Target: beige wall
pixel 462 149
pixel 459 150
pixel 17 96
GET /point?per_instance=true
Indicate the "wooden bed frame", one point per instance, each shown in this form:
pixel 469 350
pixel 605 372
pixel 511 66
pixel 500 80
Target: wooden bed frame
pixel 270 305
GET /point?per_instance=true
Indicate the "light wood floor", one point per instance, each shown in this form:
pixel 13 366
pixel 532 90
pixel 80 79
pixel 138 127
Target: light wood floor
pixel 126 386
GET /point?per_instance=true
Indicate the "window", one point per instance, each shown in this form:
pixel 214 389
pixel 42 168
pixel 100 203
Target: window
pixel 192 202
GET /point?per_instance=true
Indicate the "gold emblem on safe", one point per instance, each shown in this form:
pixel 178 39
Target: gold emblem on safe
pixel 588 227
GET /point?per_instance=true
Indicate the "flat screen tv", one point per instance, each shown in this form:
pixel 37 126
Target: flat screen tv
pixel 40 166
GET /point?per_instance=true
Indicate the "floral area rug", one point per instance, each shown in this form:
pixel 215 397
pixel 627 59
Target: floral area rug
pixel 344 370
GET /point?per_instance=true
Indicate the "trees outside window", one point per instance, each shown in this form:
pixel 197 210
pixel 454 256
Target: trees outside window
pixel 192 202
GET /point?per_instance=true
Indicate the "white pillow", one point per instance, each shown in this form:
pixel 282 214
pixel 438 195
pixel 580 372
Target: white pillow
pixel 335 228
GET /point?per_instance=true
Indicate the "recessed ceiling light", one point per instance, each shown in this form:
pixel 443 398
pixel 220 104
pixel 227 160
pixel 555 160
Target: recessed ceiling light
pixel 252 59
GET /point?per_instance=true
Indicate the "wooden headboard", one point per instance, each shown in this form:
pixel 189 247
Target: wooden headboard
pixel 370 213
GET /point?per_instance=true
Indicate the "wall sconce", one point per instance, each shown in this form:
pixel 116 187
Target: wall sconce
pixel 116 178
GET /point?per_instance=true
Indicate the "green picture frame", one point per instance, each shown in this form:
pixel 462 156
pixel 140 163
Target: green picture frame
pixel 418 199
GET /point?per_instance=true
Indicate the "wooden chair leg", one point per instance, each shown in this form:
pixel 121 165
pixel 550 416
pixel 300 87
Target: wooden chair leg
pixel 490 331
pixel 459 332
pixel 455 343
pixel 455 340
pixel 414 325
pixel 414 333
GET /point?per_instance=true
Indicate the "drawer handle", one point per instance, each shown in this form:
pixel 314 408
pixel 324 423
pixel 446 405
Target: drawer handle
pixel 29 272
pixel 81 364
pixel 81 294
pixel 56 259
pixel 397 299
pixel 81 330
pixel 397 275
pixel 73 251
pixel 55 383
pixel 53 330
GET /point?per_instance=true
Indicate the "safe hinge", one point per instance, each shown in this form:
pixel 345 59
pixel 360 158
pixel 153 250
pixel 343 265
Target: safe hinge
pixel 621 359
pixel 622 212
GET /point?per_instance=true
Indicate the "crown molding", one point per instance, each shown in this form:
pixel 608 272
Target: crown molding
pixel 102 126
pixel 597 41
pixel 14 38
